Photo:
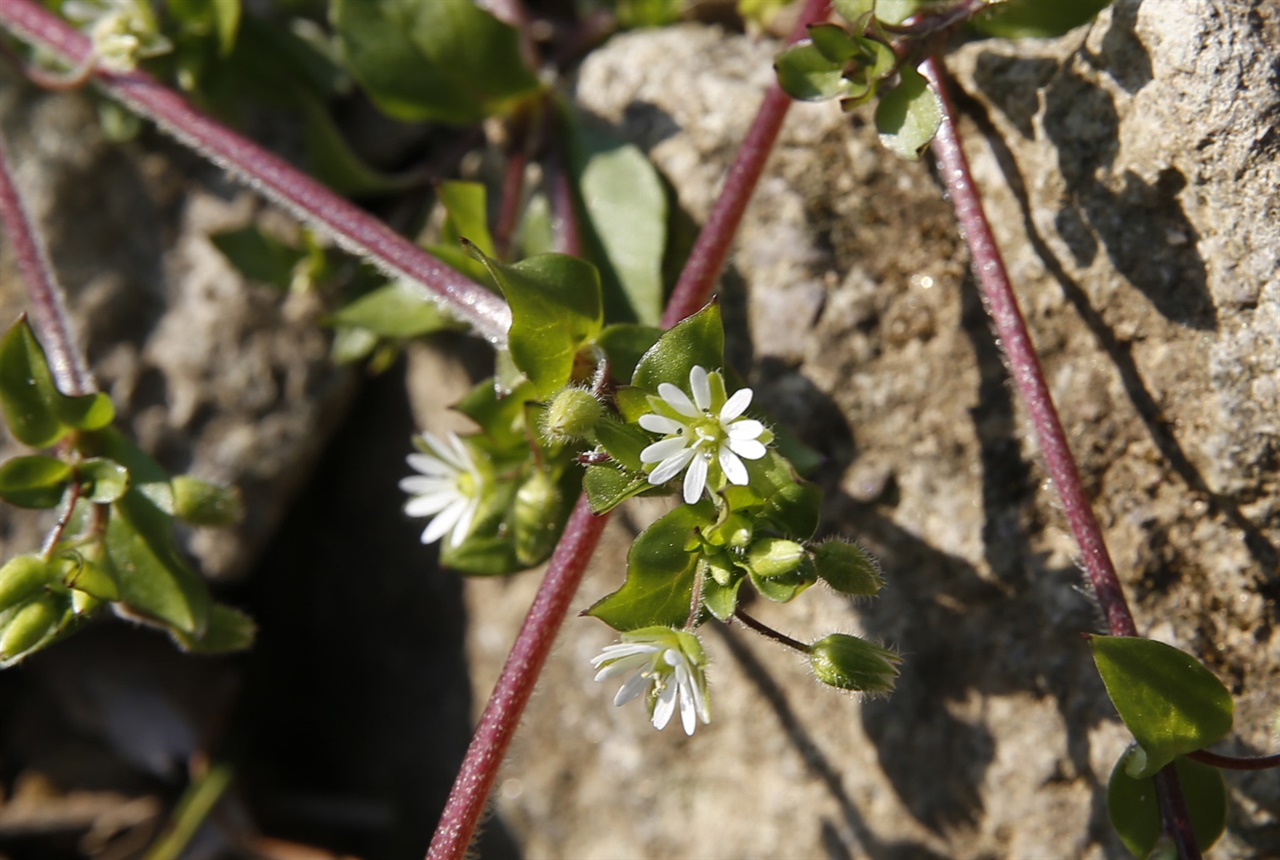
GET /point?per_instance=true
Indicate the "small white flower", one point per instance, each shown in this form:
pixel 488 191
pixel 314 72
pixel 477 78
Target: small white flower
pixel 448 490
pixel 702 433
pixel 668 665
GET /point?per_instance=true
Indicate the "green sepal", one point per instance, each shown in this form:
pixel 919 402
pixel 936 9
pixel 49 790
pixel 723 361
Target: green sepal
pixel 1135 813
pixel 852 663
pixel 446 60
pixel 847 568
pixel 102 480
pixel 625 344
pixel 88 576
pixel 397 310
pixel 556 308
pixel 30 627
pixel 909 115
pixel 608 486
pixel 1171 703
pixel 536 517
pixel 156 584
pixel 660 573
pixel 696 341
pixel 204 503
pixel 23 576
pixel 38 414
pixel 34 482
pixel 1017 19
pixel 228 629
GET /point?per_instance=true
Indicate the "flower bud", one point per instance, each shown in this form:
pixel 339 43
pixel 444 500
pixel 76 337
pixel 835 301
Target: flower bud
pixel 851 663
pixel 536 512
pixel 847 569
pixel 23 576
pixel 30 624
pixel 772 557
pixel 203 503
pixel 572 415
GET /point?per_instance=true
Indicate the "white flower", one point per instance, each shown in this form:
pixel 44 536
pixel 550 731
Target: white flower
pixel 702 434
pixel 667 664
pixel 122 31
pixel 448 490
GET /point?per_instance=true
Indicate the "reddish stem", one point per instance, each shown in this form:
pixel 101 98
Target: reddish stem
pixel 48 313
pixel 515 685
pixel 1024 363
pixel 1231 762
pixel 708 255
pixel 354 229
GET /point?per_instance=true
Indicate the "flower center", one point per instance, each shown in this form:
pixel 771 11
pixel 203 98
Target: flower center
pixel 467 485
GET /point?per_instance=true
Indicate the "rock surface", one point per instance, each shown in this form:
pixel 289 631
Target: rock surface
pixel 1131 173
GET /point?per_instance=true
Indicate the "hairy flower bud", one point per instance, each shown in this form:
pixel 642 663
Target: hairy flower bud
pixel 855 664
pixel 572 415
pixel 847 569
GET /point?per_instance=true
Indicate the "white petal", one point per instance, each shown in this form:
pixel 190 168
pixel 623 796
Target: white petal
pixel 433 466
pixel 655 423
pixel 444 521
pixel 695 479
pixel 625 652
pixel 701 386
pixel 664 707
pixel 733 468
pixel 747 428
pixel 747 449
pixel 634 686
pixel 688 715
pixel 736 405
pixel 446 451
pixel 663 450
pixel 671 467
pixel 429 505
pixel 425 485
pixel 463 526
pixel 678 400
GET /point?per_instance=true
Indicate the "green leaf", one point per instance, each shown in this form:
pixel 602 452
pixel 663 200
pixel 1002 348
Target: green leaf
pixel 145 474
pixel 204 503
pixel 91 578
pixel 648 13
pixel 834 42
pixel 226 16
pixel 258 256
pixel 229 629
pixel 397 311
pixel 698 340
pixel 805 73
pixel 33 482
pixel 37 413
pixel 897 11
pixel 555 309
pixel 1135 813
pixel 626 208
pixel 660 573
pixel 103 480
pixel 722 600
pixel 623 442
pixel 501 419
pixel 468 214
pixel 446 60
pixel 853 10
pixel 791 505
pixel 1170 702
pixel 607 487
pixel 155 581
pixel 625 344
pixel 1019 19
pixel 785 588
pixel 908 116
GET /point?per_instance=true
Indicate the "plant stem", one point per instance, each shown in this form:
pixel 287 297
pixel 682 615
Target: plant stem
pixel 1231 762
pixel 769 633
pixel 708 255
pixel 515 684
pixel 352 228
pixel 48 312
pixel 1024 363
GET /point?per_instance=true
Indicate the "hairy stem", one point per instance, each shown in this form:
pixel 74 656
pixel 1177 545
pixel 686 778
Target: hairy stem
pixel 708 255
pixel 48 312
pixel 351 227
pixel 515 684
pixel 1024 365
pixel 769 633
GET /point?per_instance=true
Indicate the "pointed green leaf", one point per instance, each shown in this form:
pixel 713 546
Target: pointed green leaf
pixel 625 344
pixel 155 581
pixel 804 73
pixel 790 504
pixel 626 208
pixel 721 600
pixel 555 309
pixel 897 11
pixel 259 256
pixel 26 388
pixel 226 16
pixel 834 42
pixel 446 60
pixel 205 503
pixel 467 207
pixel 608 486
pixel 1135 814
pixel 660 572
pixel 33 482
pixel 698 340
pixel 89 577
pixel 145 474
pixel 908 116
pixel 1019 19
pixel 1170 702
pixel 395 311
pixel 623 442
